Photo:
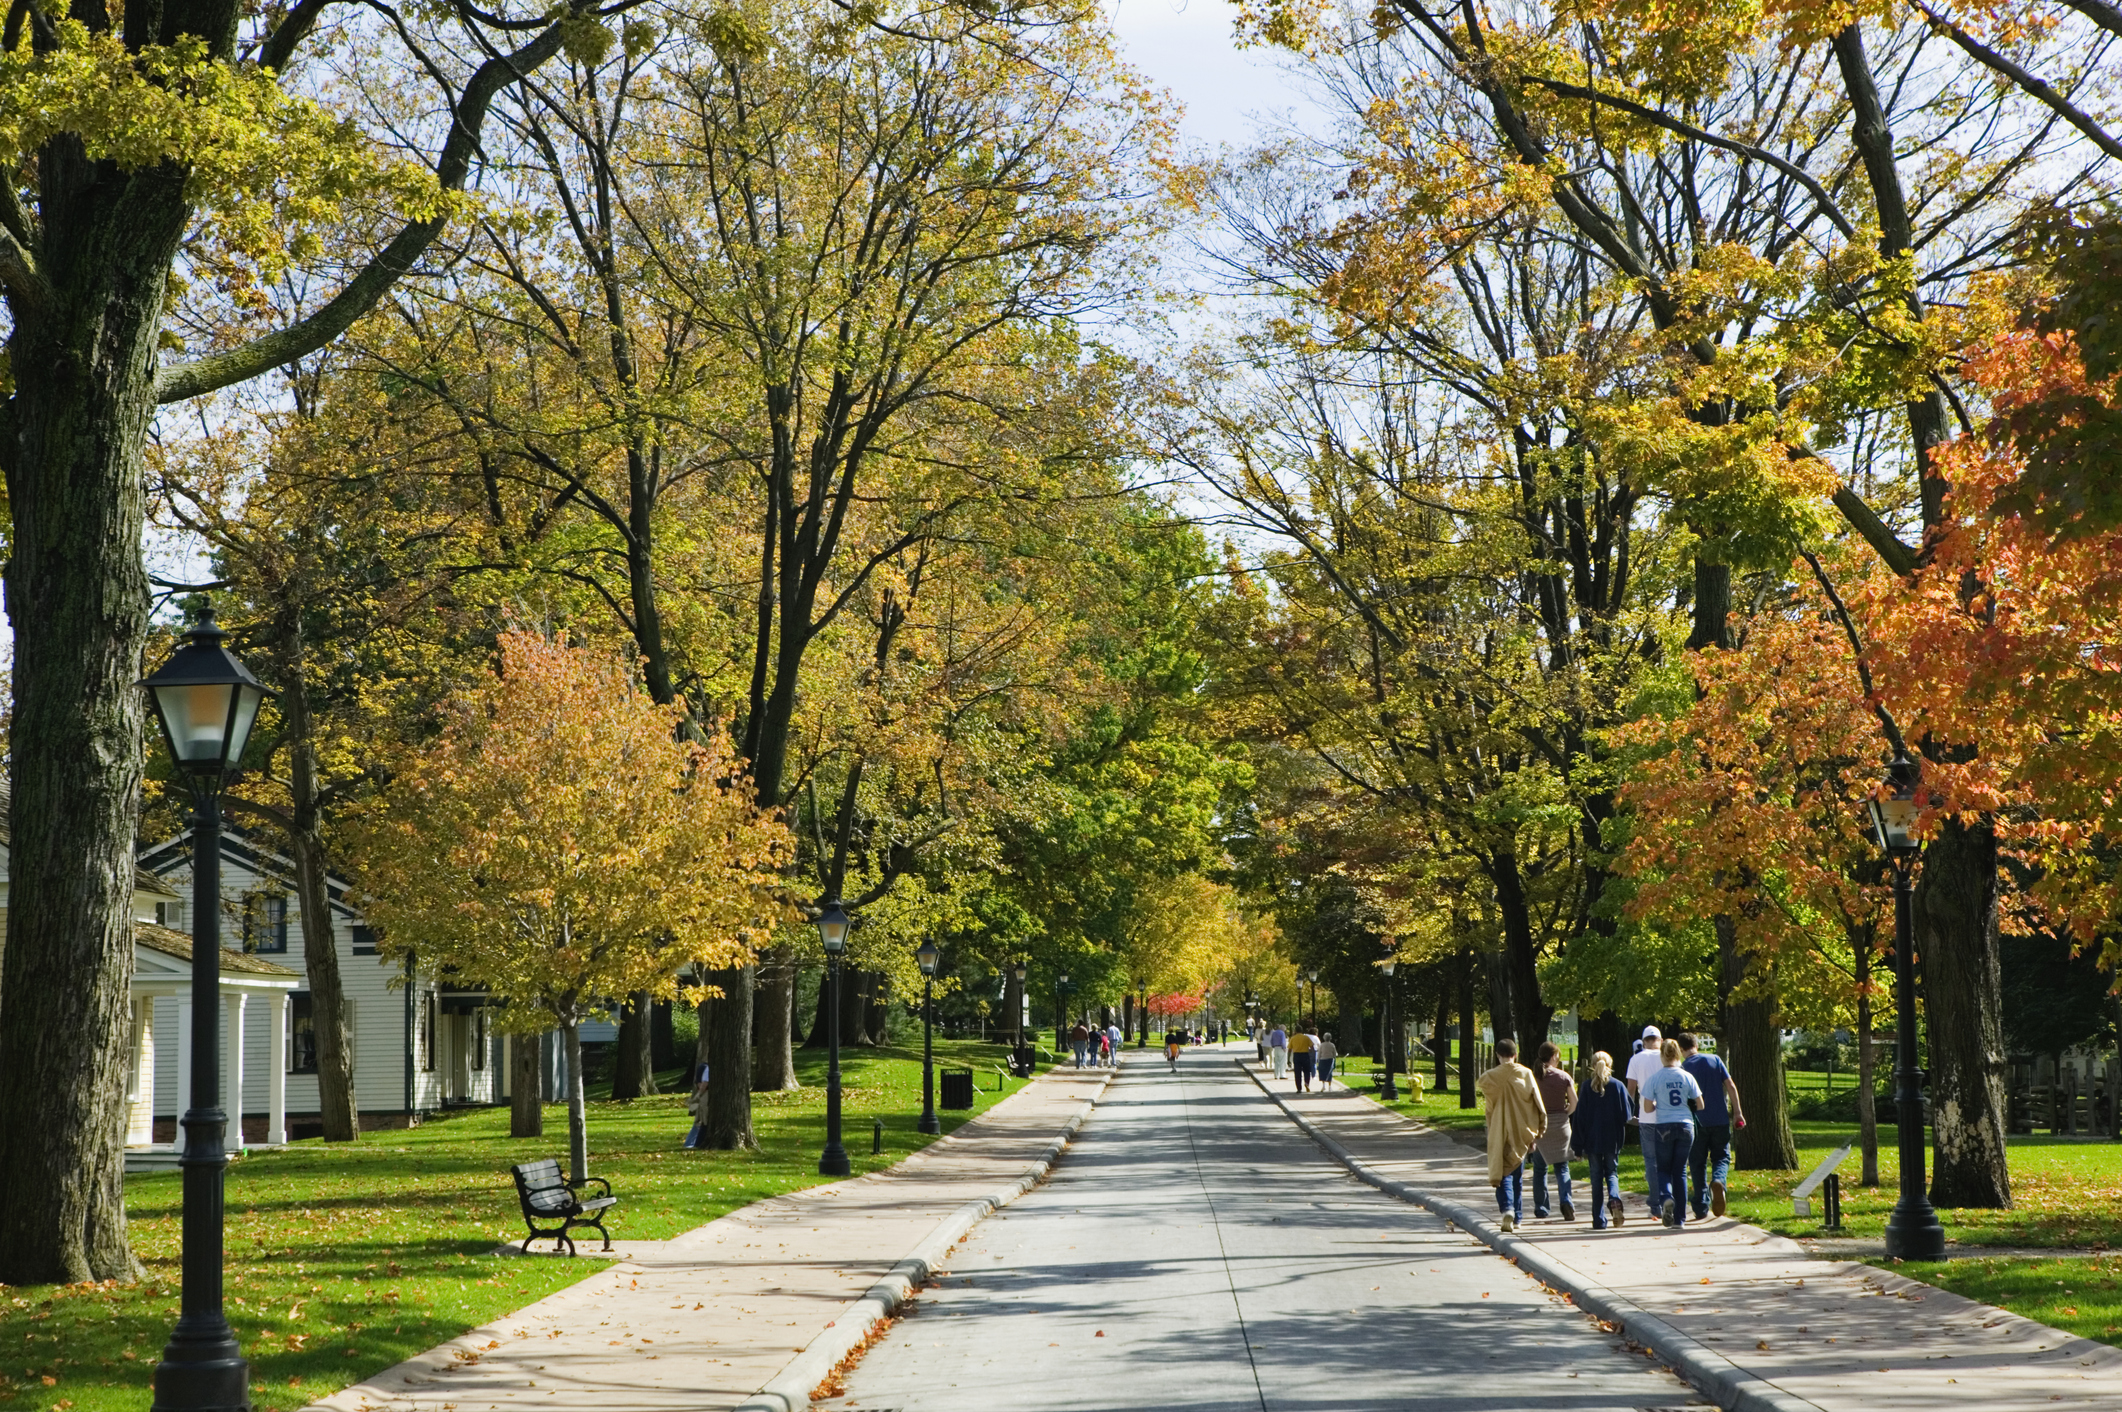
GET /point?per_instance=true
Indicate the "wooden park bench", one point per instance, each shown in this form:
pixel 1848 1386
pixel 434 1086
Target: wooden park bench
pixel 547 1196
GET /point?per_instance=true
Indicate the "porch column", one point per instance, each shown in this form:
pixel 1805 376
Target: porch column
pixel 184 1068
pixel 140 1119
pixel 276 1071
pixel 232 1084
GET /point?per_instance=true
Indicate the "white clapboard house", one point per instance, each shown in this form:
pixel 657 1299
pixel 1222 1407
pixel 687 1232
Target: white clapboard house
pixel 421 1045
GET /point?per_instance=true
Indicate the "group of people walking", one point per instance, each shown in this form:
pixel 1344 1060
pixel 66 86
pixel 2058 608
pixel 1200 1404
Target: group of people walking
pixel 1684 1105
pixel 1096 1048
pixel 1306 1053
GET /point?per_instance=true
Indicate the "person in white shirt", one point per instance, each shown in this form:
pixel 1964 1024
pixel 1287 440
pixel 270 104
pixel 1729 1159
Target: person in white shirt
pixel 1118 1036
pixel 1641 1065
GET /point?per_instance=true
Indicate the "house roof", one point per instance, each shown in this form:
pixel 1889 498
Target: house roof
pixel 239 845
pixel 179 946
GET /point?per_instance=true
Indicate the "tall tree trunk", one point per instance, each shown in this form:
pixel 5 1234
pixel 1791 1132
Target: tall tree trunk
pixel 1348 1029
pixel 1466 1027
pixel 631 1077
pixel 305 845
pixel 1867 1063
pixel 577 1110
pixel 821 1016
pixel 1956 948
pixel 729 1051
pixel 774 1070
pixel 876 1008
pixel 1443 1046
pixel 526 1086
pixel 853 1006
pixel 71 442
pixel 1529 1014
pixel 1496 968
pixel 1753 1051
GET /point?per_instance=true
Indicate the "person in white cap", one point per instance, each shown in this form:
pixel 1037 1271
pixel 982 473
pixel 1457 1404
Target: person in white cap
pixel 1641 1065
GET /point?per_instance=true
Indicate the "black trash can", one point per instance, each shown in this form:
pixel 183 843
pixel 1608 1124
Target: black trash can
pixel 957 1088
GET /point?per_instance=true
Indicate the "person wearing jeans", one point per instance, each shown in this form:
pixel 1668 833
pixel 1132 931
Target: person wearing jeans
pixel 1596 1130
pixel 1671 1098
pixel 1558 1092
pixel 1711 1154
pixel 1516 1120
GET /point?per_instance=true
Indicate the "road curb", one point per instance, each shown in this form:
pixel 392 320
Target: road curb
pixel 1734 1388
pixel 789 1390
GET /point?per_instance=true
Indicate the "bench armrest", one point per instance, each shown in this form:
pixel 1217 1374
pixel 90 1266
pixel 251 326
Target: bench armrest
pixel 577 1186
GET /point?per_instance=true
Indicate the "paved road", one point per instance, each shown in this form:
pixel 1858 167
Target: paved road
pixel 1194 1252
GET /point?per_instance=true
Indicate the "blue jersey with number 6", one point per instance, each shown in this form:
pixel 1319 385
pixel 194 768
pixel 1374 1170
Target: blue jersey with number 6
pixel 1670 1090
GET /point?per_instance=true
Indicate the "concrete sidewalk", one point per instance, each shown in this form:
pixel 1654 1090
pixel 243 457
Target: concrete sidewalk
pixel 705 1321
pixel 1747 1316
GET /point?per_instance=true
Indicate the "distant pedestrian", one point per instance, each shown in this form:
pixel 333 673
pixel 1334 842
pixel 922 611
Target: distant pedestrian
pixel 1277 1050
pixel 1721 1112
pixel 1597 1129
pixel 1641 1065
pixel 1516 1120
pixel 1327 1054
pixel 1303 1057
pixel 1558 1094
pixel 1171 1049
pixel 1671 1098
pixel 696 1104
pixel 1118 1036
pixel 1079 1039
pixel 1105 1050
pixel 1258 1027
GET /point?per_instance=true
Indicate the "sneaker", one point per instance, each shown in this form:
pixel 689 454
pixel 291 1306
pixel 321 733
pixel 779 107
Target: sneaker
pixel 1508 1222
pixel 1671 1213
pixel 1716 1198
pixel 1539 1214
pixel 1569 1212
pixel 1615 1209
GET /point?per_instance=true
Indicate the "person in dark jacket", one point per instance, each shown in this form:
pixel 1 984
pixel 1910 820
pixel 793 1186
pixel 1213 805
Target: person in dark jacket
pixel 1597 1130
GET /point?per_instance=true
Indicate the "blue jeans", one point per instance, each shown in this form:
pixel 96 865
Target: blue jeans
pixel 1302 1063
pixel 1605 1172
pixel 1082 1048
pixel 1510 1195
pixel 1540 1166
pixel 1711 1152
pixel 1673 1142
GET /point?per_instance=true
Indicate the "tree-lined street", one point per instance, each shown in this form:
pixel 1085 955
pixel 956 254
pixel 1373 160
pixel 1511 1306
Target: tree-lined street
pixel 1195 1250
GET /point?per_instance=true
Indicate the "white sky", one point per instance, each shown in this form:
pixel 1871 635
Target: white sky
pixel 1229 94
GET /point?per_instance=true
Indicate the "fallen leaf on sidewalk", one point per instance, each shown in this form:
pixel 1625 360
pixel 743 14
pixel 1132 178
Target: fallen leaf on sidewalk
pixel 1099 1334
pixel 1761 1343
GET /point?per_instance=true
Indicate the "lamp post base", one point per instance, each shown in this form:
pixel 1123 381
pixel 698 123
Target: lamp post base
pixel 833 1161
pixel 1913 1231
pixel 930 1124
pixel 203 1370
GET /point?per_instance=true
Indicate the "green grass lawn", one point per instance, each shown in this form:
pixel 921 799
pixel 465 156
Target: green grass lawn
pixel 345 1259
pixel 2067 1192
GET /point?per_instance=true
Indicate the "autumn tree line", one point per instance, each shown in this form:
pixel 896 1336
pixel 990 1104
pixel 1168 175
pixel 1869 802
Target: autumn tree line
pixel 1647 423
pixel 680 463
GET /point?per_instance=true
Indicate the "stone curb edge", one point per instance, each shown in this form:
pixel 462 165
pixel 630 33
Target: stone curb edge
pixel 1734 1388
pixel 789 1390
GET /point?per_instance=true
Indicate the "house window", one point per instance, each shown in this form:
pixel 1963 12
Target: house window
pixel 171 915
pixel 265 922
pixel 364 941
pixel 301 1034
pixel 479 1039
pixel 427 1033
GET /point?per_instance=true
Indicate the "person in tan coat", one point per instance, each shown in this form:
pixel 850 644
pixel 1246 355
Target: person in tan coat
pixel 1516 1120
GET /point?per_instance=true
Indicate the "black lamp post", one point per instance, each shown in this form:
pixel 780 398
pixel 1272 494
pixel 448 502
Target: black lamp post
pixel 1386 1088
pixel 926 956
pixel 1313 977
pixel 1060 1013
pixel 206 702
pixel 1017 972
pixel 832 932
pixel 1913 1231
